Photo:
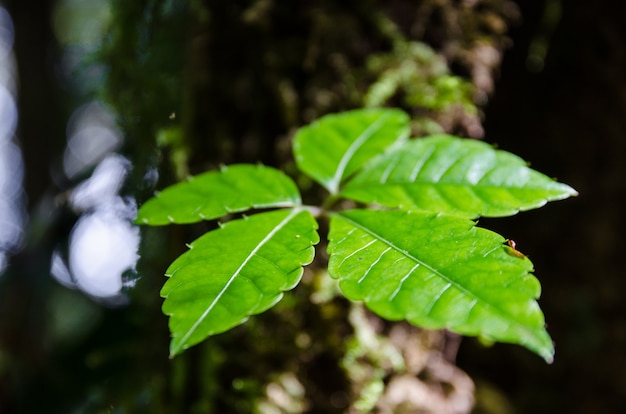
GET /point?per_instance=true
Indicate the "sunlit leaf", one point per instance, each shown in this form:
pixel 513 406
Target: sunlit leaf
pixel 335 146
pixel 437 272
pixel 213 194
pixel 236 271
pixel 452 175
pixel 425 261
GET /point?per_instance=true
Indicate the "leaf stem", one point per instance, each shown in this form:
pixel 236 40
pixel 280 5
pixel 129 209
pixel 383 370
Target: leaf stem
pixel 314 210
pixel 330 201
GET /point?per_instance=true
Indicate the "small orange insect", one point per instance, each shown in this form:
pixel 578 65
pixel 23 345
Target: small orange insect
pixel 513 251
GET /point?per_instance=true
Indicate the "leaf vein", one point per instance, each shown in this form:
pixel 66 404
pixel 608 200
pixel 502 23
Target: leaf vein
pixel 385 175
pixel 404 278
pixel 356 251
pixel 374 263
pixel 433 302
pixel 461 288
pixel 237 273
pixel 420 164
pixel 352 149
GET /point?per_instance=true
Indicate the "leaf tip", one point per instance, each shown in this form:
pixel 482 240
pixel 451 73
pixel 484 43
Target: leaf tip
pixel 174 352
pixel 572 192
pixel 548 354
pixel 177 346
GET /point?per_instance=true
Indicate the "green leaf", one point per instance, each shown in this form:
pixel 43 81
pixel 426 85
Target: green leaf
pixel 335 146
pixel 213 194
pixel 236 271
pixel 437 272
pixel 456 176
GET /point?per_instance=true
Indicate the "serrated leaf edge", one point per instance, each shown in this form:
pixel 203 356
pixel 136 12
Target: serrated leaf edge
pixel 548 356
pixel 565 190
pixel 280 226
pixel 220 174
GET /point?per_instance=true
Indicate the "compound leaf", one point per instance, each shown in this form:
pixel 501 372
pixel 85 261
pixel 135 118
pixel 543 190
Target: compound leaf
pixel 455 176
pixel 213 194
pixel 238 270
pixel 438 272
pixel 332 148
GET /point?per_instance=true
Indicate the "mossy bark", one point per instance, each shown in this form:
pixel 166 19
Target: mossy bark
pixel 250 73
pixel 202 83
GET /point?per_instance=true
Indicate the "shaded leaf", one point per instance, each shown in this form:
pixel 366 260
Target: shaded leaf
pixel 456 176
pixel 332 148
pixel 213 194
pixel 236 271
pixel 437 272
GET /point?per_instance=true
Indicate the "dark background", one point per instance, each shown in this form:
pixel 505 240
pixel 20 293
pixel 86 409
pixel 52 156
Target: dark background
pixel 570 121
pixel 566 114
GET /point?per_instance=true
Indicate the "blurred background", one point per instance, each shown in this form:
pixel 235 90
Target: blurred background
pixel 104 101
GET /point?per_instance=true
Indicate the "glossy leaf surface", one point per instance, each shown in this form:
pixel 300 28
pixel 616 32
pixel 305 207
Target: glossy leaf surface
pixel 236 271
pixel 332 148
pixel 456 176
pixel 437 272
pixel 213 194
